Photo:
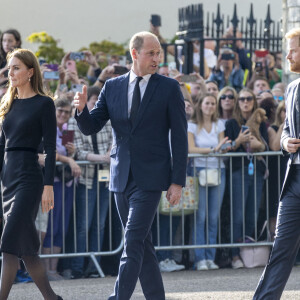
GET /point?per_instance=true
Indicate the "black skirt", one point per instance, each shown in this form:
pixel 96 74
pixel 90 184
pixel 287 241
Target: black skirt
pixel 22 188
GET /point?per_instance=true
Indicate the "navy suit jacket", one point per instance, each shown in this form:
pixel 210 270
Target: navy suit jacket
pixel 292 97
pixel 144 146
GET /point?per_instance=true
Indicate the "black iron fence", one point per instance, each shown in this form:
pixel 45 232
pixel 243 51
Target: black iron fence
pixel 196 26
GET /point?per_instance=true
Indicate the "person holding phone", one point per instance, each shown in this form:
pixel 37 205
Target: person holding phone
pixel 9 40
pixel 62 203
pixel 28 116
pixel 227 70
pixel 245 142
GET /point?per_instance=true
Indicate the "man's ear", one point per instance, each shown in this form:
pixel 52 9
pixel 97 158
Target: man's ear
pixel 134 53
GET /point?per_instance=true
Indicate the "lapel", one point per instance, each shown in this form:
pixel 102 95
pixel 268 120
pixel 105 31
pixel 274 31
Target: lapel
pixel 124 95
pixel 154 79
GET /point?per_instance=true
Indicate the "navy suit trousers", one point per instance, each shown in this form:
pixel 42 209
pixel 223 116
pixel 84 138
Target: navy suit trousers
pixel 137 209
pixel 286 244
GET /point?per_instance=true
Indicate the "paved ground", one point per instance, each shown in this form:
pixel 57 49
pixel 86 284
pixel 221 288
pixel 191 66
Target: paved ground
pixel 185 285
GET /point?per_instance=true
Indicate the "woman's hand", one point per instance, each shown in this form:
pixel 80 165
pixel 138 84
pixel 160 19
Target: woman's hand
pixel 76 170
pixel 255 144
pixel 47 198
pixel 243 137
pixel 222 142
pixel 70 148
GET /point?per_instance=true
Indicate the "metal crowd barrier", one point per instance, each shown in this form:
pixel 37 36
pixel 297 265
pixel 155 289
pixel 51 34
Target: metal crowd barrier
pixel 173 246
pixel 182 245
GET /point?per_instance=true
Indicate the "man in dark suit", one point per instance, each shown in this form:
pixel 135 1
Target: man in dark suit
pixel 287 239
pixel 143 108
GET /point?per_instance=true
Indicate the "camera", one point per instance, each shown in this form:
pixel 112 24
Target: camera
pixel 228 56
pixel 77 56
pixel 51 75
pixel 258 66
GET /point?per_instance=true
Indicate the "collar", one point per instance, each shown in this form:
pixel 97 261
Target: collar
pixel 133 76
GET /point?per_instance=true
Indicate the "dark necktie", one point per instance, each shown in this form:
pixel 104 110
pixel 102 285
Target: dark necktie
pixel 136 100
pixel 95 144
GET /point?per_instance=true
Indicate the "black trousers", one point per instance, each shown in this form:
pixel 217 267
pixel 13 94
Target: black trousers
pixel 286 244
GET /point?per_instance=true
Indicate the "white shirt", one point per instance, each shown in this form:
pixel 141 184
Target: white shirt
pixel 204 139
pixel 143 85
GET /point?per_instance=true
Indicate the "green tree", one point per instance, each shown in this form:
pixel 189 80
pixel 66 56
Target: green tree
pixel 48 48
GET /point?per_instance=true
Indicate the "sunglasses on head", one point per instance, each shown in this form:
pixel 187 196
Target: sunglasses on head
pixel 223 97
pixel 279 98
pixel 248 99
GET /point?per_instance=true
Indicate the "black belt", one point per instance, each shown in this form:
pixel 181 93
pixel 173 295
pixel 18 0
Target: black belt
pixel 28 149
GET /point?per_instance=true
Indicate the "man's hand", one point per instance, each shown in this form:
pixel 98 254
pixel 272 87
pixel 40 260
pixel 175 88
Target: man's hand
pixel 174 193
pixel 291 145
pixel 80 99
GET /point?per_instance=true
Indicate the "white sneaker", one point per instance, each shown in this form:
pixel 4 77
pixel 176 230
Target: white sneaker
pixel 237 264
pixel 201 265
pixel 177 266
pixel 166 266
pixel 211 265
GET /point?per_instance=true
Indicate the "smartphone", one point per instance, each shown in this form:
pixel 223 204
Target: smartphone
pixel 53 67
pixel 120 70
pixel 225 146
pixel 155 20
pixel 188 78
pixel 71 65
pixel 258 66
pixel 77 88
pixel 228 56
pixel 77 56
pixel 67 137
pixel 54 75
pixel 244 128
pixel 261 53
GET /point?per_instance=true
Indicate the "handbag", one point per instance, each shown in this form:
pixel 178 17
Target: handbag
pixel 67 173
pixel 255 256
pixel 210 177
pixel 188 202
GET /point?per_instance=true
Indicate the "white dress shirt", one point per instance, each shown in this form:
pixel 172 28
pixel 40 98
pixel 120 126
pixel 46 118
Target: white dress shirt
pixel 143 85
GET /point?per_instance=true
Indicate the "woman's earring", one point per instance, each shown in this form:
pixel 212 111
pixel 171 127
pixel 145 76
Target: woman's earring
pixel 29 79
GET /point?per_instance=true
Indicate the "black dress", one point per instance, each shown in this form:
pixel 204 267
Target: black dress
pixel 28 122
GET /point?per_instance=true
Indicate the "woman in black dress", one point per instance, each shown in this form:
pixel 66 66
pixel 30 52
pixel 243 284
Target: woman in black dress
pixel 27 117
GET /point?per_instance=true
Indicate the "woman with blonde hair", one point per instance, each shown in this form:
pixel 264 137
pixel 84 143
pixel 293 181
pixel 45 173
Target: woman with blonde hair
pixel 28 117
pixel 243 195
pixel 206 136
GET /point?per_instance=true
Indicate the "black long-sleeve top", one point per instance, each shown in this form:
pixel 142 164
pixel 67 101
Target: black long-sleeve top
pixel 232 131
pixel 28 122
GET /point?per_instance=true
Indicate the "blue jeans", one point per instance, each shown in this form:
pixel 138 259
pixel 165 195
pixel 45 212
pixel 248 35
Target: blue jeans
pixel 164 234
pixel 208 223
pixel 89 224
pixel 248 207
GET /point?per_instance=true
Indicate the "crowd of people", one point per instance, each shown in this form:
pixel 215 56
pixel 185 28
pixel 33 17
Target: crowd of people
pixel 222 109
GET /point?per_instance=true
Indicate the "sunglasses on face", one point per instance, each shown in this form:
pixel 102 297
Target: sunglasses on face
pixel 223 97
pixel 60 110
pixel 248 99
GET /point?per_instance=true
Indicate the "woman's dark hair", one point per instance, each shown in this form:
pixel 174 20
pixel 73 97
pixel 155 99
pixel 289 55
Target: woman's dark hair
pixel 17 37
pixel 91 91
pixel 269 106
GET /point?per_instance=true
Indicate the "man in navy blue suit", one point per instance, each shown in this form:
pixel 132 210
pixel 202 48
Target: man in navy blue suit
pixel 287 240
pixel 147 115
